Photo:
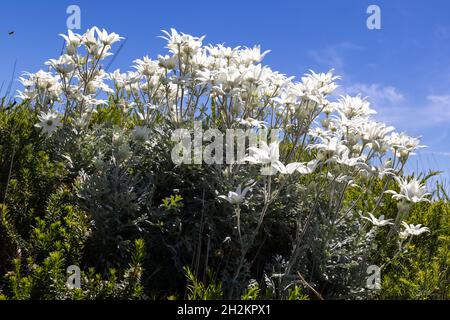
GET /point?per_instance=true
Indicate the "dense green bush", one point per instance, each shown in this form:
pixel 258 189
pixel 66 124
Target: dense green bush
pixel 423 271
pixel 52 218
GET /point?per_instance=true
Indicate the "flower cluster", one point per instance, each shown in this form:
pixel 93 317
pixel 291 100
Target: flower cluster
pixel 76 78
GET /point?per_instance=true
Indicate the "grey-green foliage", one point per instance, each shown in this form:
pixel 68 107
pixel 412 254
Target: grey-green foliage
pixel 328 248
pixel 115 192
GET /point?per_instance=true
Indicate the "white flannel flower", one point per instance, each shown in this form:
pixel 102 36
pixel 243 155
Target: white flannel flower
pixel 269 157
pixel 48 122
pixel 412 230
pixel 167 62
pixel 251 123
pixel 316 87
pixel 118 78
pixel 108 39
pixel 63 64
pixel 180 43
pixel 374 134
pixel 343 158
pixel 411 190
pixel 384 170
pixel 89 39
pixel 301 168
pixel 73 41
pixel 404 145
pixel 146 66
pixel 330 149
pixel 266 154
pixel 353 107
pixel 252 55
pixel 236 197
pixel 378 222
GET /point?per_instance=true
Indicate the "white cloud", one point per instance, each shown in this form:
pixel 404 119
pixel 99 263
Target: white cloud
pixel 434 111
pixel 332 56
pixel 377 93
pixel 392 105
pixel 437 153
pixel 445 100
pixel 438 109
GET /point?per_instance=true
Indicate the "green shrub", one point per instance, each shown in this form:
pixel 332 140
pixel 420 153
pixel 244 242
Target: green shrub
pixel 423 271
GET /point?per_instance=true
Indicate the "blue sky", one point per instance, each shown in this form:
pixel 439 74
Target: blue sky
pixel 404 68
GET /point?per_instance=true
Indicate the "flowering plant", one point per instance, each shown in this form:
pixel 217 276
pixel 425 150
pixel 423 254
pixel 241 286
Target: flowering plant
pixel 324 180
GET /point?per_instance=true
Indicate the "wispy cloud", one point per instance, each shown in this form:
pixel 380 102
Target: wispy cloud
pixel 438 109
pixel 436 153
pixel 378 94
pixel 394 106
pixel 443 100
pixel 333 55
pixel 389 102
pixel 384 97
pixel 434 111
